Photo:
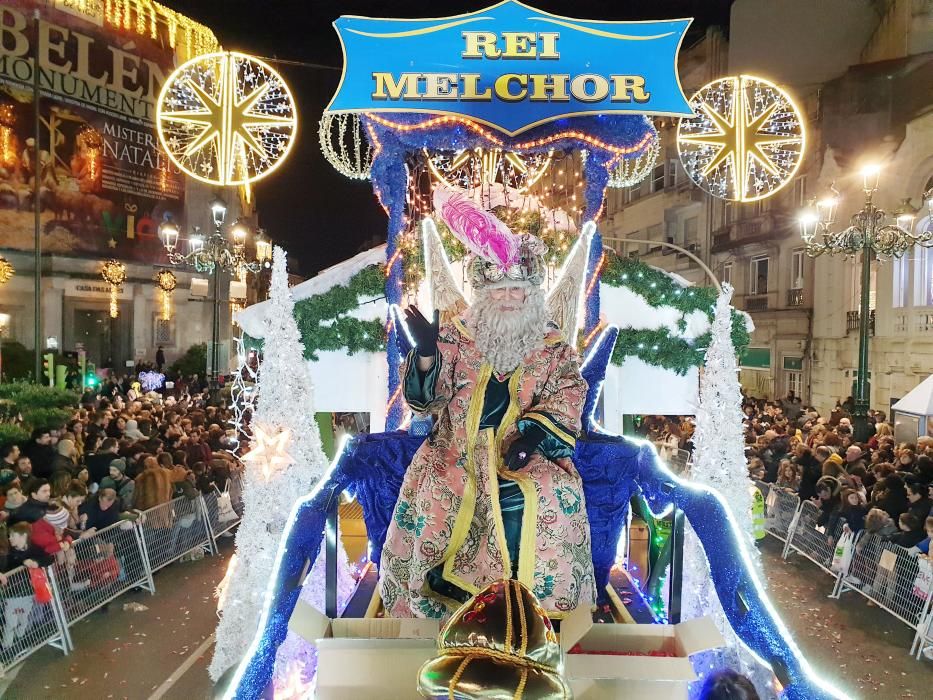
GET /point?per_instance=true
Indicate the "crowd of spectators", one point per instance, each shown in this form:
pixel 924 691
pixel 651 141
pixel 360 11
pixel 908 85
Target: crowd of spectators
pixel 878 485
pixel 122 452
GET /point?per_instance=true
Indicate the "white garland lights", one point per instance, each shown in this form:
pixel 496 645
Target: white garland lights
pixel 719 462
pixel 289 467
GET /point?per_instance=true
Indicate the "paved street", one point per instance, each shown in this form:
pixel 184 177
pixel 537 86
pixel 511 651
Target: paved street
pixel 124 654
pixel 137 655
pixel 863 648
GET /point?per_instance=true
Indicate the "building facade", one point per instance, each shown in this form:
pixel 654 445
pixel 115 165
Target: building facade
pixel 104 183
pixel 855 69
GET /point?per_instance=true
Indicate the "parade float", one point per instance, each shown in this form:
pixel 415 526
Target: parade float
pixel 485 135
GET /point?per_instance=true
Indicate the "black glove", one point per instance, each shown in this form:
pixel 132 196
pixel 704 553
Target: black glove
pixel 423 331
pixel 519 453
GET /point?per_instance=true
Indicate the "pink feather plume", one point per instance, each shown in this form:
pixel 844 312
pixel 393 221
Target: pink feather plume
pixel 481 232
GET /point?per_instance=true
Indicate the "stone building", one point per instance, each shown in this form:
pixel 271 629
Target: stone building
pixel 860 71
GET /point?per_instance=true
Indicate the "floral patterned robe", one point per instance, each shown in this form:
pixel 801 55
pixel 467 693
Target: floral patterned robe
pixel 448 512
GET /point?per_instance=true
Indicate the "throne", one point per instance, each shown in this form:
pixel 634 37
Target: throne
pixel 612 468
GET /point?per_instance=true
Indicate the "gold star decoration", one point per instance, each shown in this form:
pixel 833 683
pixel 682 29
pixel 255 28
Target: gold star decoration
pixel 756 135
pixel 268 450
pixel 216 119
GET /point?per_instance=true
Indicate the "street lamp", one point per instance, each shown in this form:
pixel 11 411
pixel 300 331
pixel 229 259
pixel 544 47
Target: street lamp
pixel 869 235
pixel 211 254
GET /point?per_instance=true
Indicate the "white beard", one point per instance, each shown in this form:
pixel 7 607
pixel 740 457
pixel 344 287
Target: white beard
pixel 506 337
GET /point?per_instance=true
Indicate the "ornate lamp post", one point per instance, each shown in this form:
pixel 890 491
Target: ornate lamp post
pixel 869 235
pixel 211 254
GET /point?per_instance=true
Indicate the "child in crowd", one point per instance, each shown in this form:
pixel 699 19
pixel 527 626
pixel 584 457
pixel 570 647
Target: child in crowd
pixel 18 608
pixel 911 533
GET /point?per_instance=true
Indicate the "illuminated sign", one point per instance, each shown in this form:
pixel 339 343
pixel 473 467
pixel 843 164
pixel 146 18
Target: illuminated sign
pixel 510 66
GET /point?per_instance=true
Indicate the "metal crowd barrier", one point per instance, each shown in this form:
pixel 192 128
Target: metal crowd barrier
pixel 29 625
pixel 895 579
pixel 781 510
pixel 100 568
pixel 173 529
pixel 815 542
pixel 889 575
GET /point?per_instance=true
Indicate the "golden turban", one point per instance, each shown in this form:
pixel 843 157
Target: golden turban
pixel 499 645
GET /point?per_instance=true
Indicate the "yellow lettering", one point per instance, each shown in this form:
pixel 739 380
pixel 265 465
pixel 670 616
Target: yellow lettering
pixel 125 68
pixel 547 42
pixel 440 86
pixel 502 87
pixel 13 41
pixel 83 68
pixel 480 45
pixel 552 88
pixel 519 45
pixel 388 88
pixel 48 46
pixel 470 87
pixel 626 88
pixel 589 87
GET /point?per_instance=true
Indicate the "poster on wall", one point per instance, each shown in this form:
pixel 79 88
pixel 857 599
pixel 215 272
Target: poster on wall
pixel 104 182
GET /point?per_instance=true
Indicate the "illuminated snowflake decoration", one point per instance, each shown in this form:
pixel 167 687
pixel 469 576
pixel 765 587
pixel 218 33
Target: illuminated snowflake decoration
pixel 226 118
pixel 151 381
pixel 746 141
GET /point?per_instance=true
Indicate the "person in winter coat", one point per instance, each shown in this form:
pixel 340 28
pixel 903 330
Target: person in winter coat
pixel 153 485
pixel 809 471
pixel 911 531
pixel 892 496
pixel 853 510
pixel 66 458
pixel 827 495
pixel 920 503
pixel 101 512
pixel 125 488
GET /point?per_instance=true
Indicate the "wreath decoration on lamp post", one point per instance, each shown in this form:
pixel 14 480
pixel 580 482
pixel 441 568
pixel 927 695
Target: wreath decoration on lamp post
pixel 167 282
pixel 114 274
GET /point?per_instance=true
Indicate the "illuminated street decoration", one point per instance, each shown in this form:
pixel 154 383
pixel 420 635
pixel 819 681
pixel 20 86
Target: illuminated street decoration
pixel 476 167
pixel 6 270
pixel 344 145
pixel 114 274
pixel 630 171
pixel 226 118
pixel 167 282
pixel 746 141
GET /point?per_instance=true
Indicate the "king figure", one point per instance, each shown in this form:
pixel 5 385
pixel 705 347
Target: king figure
pixel 493 492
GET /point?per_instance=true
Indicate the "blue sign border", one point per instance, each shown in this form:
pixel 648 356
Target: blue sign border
pixel 649 49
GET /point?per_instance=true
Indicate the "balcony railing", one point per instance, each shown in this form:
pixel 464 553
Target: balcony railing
pixel 852 322
pixel 756 303
pixel 795 297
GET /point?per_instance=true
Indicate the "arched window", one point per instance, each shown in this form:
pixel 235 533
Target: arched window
pixel 913 272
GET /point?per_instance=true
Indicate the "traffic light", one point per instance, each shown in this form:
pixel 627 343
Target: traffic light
pixel 90 376
pixel 48 367
pixel 61 372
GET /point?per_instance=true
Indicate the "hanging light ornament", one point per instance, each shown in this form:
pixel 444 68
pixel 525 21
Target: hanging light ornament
pixel 114 274
pixel 6 270
pixel 630 171
pixel 167 282
pixel 344 146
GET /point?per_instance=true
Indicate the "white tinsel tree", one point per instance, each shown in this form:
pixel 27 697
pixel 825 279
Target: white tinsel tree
pixel 274 480
pixel 719 462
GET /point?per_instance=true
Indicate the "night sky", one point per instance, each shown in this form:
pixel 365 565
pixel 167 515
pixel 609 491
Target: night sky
pixel 317 214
